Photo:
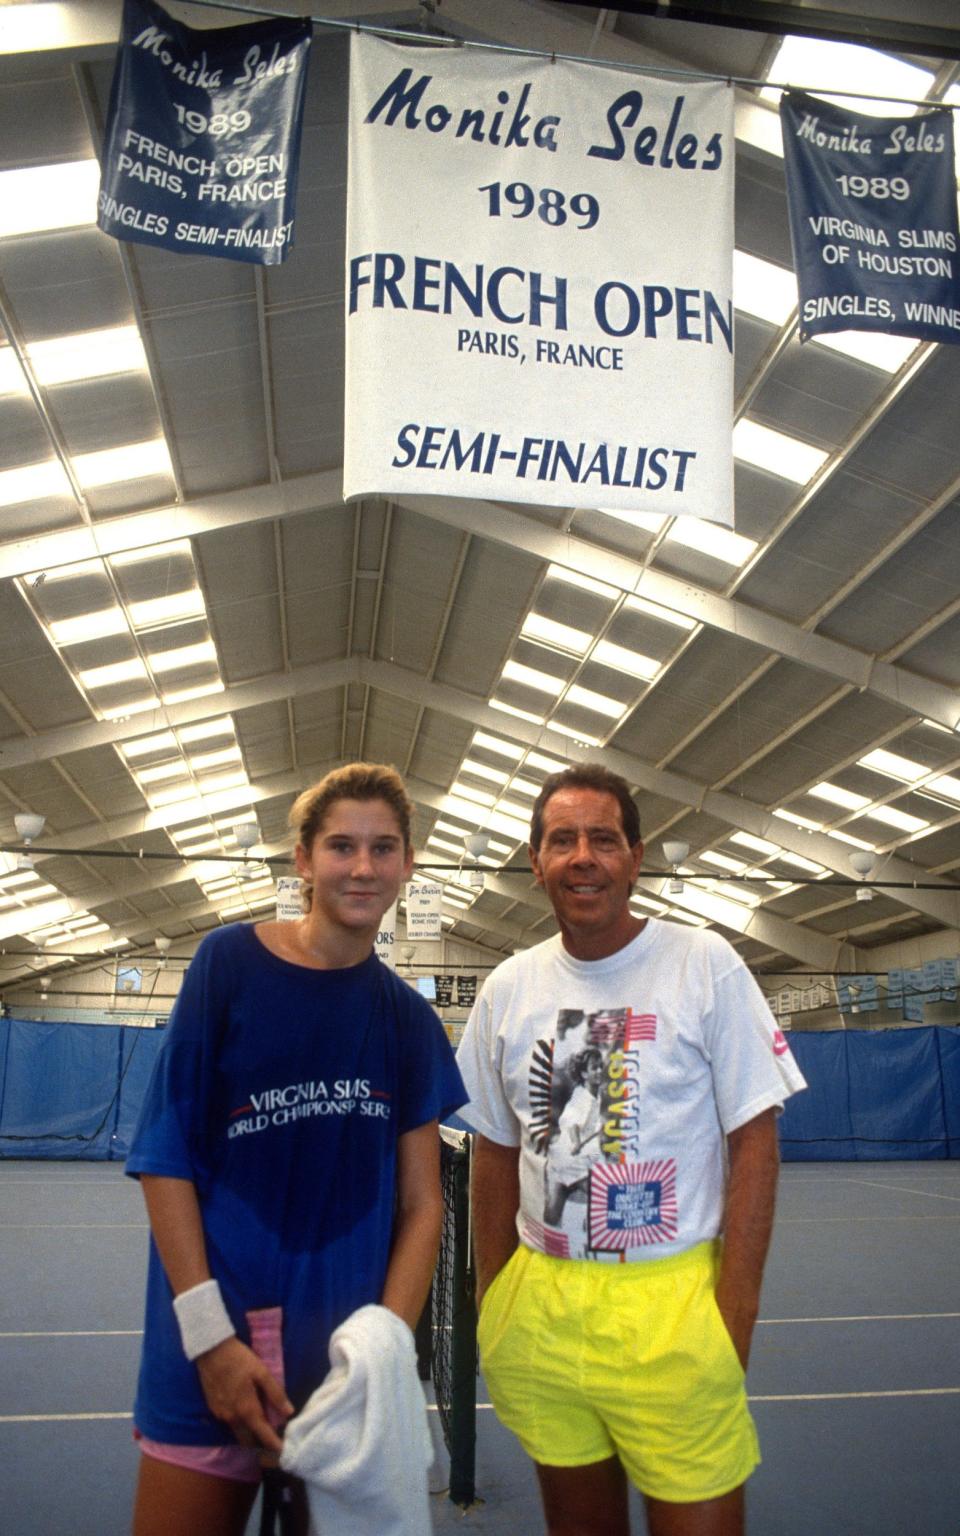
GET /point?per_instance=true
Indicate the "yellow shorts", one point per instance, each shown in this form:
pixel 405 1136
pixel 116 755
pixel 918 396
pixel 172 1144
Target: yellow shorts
pixel 584 1361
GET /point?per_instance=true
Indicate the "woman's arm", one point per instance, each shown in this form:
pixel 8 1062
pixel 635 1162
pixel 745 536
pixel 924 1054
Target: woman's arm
pixel 419 1215
pixel 234 1380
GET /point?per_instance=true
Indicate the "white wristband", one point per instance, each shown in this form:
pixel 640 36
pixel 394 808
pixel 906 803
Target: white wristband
pixel 203 1318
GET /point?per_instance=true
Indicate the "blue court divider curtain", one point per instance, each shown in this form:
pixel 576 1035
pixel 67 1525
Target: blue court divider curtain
pixel 874 1095
pixel 72 1090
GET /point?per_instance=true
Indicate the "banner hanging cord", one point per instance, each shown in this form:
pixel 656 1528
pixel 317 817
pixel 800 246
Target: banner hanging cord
pixel 444 40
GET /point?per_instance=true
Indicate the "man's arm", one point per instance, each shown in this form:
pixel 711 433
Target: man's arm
pixel 748 1223
pixel 495 1198
pixel 419 1216
pixel 234 1380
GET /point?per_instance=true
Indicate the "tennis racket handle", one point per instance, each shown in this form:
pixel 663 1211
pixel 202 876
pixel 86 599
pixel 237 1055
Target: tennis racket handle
pixel 266 1341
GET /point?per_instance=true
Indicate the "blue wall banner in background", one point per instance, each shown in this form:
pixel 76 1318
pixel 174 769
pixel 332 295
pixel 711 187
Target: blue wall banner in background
pixel 873 220
pixel 202 139
pixel 539 276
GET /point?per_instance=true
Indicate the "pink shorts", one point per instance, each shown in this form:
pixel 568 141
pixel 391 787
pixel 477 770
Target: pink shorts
pixel 240 1463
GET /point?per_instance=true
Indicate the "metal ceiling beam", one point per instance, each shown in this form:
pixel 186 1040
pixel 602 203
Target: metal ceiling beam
pixel 910 691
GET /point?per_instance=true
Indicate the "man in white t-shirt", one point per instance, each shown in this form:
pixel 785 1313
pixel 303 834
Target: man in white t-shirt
pixel 615 1323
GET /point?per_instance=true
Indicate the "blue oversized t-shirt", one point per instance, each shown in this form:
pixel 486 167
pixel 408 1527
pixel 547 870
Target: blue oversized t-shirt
pixel 280 1091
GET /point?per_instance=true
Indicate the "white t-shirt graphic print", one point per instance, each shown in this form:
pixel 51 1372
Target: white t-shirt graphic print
pixel 620 1079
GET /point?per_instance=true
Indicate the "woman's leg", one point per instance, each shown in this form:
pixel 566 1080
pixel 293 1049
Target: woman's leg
pixel 177 1501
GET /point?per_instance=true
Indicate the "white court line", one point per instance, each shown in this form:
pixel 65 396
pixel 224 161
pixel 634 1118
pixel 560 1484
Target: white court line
pixel 809 1221
pixel 75 1333
pixel 70 1226
pixel 901 1189
pixel 834 1397
pixel 57 1418
pixel 866 1317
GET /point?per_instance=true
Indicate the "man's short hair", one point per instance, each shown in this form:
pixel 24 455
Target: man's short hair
pixel 587 776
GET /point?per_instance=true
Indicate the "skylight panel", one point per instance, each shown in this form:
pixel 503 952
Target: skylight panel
pixel 763 289
pixel 945 784
pixel 710 539
pixel 494 775
pixel 131 461
pixel 468 792
pixel 648 901
pixel 820 67
pixel 520 786
pixel 532 677
pixel 156 611
pixel 537 627
pixel 447 826
pixel 89 626
pixel 893 766
pixel 181 792
pixel 775 452
pixel 134 707
pixel 599 703
pixel 42 197
pixel 544 764
pixel 650 522
pixel 848 837
pixel 441 842
pixel 12 381
pixel 657 611
pixel 511 709
pixel 207 760
pixel 498 745
pixel 170 549
pixel 161 771
pixel 837 796
pixel 183 656
pixel 623 660
pixel 87 355
pixel 758 844
pixel 115 672
pixel 800 821
pixel 722 861
pixel 799 862
pixel 901 820
pixel 33 482
pixel 222 727
pixel 888 353
pixel 585 583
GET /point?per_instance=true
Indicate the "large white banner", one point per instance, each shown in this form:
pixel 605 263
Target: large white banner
pixel 539 275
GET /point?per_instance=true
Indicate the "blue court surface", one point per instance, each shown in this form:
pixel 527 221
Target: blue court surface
pixel 854 1381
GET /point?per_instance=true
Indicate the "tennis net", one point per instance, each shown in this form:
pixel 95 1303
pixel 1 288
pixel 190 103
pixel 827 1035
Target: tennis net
pixel 454 1343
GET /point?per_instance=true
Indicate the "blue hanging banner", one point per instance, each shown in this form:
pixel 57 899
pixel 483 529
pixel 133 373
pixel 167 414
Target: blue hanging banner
pixel 202 138
pixel 873 220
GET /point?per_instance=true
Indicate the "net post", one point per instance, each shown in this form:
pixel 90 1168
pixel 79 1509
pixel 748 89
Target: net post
pixel 463 1395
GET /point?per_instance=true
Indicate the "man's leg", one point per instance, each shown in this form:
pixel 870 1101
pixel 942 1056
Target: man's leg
pixel 585 1501
pixel 712 1517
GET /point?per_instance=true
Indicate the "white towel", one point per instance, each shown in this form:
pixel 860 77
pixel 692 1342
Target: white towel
pixel 361 1443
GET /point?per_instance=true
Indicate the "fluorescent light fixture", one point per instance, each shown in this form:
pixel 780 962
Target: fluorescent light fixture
pixel 585 583
pixel 225 781
pixel 115 672
pixel 89 626
pixel 891 817
pixel 648 901
pixel 687 917
pixel 175 796
pixel 165 741
pixel 131 461
pixel 511 709
pixel 183 656
pixel 168 610
pixel 441 842
pixel 904 769
pixel 87 355
pixel 776 452
pixel 762 289
pixel 494 775
pixel 544 764
pixel 620 659
pixel 532 677
pixel 208 846
pixel 599 703
pixel 824 66
pixel 799 862
pixel 216 759
pixel 580 737
pixel 221 727
pixel 657 611
pixel 945 784
pixel 848 837
pixel 837 796
pixel 649 522
pixel 710 539
pixel 519 786
pixel 468 792
pixel 33 482
pixel 43 197
pixel 564 636
pixel 498 745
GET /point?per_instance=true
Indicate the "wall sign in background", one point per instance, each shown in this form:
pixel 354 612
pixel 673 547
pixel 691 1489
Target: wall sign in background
pixel 202 139
pixel 873 220
pixel 539 260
